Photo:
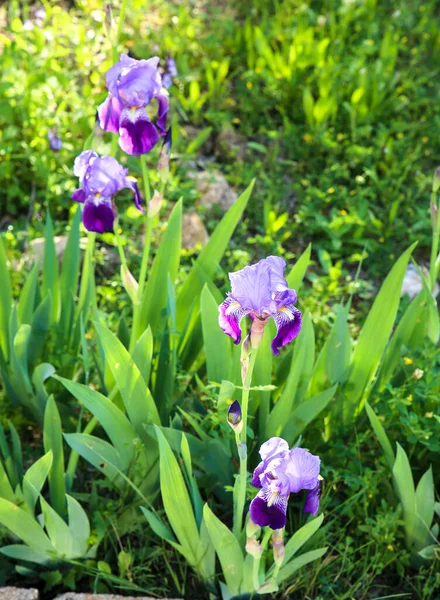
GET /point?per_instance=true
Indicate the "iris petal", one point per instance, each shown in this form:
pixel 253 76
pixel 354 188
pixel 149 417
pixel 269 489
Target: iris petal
pixel 312 501
pixel 273 516
pixel 231 313
pixel 137 134
pixel 288 321
pixel 109 114
pixel 98 215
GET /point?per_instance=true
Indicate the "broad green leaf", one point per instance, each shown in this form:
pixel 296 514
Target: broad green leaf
pixel 305 413
pixel 304 349
pixel 296 275
pixel 300 537
pixel 228 550
pixel 143 354
pixel 40 326
pixel 70 271
pixel 41 373
pixel 210 256
pixel 57 530
pixel 50 270
pixel 157 525
pixel 19 552
pixel 115 423
pixel 401 337
pixel 217 344
pixel 139 403
pixel 98 453
pixel 374 338
pixel 297 563
pixel 165 265
pixel 79 527
pixel 34 479
pixel 6 490
pixel 5 302
pixel 21 524
pixel 53 441
pixel 17 453
pixel 207 562
pixel 333 361
pixel 20 361
pixel 425 500
pixel 381 435
pixel 176 500
pixel 404 485
pixel 26 303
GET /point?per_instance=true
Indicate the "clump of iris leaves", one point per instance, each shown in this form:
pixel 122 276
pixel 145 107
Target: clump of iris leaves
pixel 341 138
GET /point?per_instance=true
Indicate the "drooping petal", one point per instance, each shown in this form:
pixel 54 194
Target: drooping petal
pixel 273 516
pixel 106 177
pixel 109 114
pixel 230 315
pixel 312 500
pixel 299 470
pixel 79 196
pixel 82 163
pixel 164 104
pixel 137 134
pixel 132 184
pixel 288 321
pixel 98 215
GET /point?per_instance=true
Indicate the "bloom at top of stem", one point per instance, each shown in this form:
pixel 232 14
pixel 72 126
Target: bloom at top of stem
pixel 100 179
pixel 280 473
pixel 170 71
pixel 132 85
pixel 261 291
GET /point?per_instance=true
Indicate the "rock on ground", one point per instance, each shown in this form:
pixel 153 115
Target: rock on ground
pixel 215 190
pixel 193 231
pixel 11 593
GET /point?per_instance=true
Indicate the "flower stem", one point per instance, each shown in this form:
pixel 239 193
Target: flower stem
pixel 435 243
pixel 242 450
pixel 135 333
pixel 256 565
pixel 120 247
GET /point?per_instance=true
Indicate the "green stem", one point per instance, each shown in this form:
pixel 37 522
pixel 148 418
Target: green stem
pixel 241 495
pixel 120 24
pixel 120 246
pixel 435 243
pixel 135 333
pixel 256 565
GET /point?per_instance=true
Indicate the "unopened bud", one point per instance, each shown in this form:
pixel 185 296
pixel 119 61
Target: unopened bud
pixel 244 359
pixel 235 417
pixel 434 214
pixel 252 528
pixel 130 284
pixel 278 546
pixel 109 22
pixel 155 204
pixel 436 181
pixel 163 165
pixel 253 547
pixel 257 331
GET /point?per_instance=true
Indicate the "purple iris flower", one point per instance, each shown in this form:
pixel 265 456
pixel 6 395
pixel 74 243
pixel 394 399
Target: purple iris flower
pixel 55 141
pixel 169 72
pixel 101 179
pixel 132 85
pixel 280 473
pixel 262 292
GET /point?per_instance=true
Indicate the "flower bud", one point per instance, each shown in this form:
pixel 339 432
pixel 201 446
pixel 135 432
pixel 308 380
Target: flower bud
pixel 155 204
pixel 252 528
pixel 163 165
pixel 278 546
pixel 436 181
pixel 257 331
pixel 434 215
pixel 109 22
pixel 234 417
pixel 244 359
pixel 130 284
pixel 253 547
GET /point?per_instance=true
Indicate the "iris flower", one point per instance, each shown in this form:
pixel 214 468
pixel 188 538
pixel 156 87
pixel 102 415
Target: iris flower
pixel 100 180
pixel 132 86
pixel 261 292
pixel 280 473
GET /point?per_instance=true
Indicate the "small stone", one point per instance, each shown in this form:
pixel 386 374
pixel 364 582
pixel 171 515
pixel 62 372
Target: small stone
pixel 194 231
pixel 412 282
pixel 12 593
pixel 215 190
pixel 231 145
